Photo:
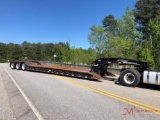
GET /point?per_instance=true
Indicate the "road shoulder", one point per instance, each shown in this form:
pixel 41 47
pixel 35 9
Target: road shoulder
pixel 15 103
pixel 6 111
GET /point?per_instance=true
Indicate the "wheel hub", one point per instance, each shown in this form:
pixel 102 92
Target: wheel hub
pixel 129 78
pixel 23 66
pixel 12 66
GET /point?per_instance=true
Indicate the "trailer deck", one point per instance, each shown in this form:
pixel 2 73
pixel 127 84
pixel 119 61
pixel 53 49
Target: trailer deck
pixel 39 66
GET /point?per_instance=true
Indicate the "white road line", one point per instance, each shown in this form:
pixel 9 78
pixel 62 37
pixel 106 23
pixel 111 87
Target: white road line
pixel 36 112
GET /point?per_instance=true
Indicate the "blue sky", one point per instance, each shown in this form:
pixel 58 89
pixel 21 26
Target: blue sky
pixel 55 21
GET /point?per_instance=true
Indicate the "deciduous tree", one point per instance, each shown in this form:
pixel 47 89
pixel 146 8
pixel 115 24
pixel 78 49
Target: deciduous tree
pixel 98 39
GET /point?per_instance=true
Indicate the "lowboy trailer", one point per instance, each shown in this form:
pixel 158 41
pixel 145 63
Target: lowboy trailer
pixel 131 76
pixel 40 66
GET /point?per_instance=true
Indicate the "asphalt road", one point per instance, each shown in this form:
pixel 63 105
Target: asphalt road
pixel 44 96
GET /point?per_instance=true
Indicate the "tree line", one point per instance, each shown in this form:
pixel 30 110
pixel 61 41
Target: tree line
pixel 136 35
pixel 46 52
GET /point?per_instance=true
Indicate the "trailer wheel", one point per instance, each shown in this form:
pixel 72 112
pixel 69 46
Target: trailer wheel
pixel 13 66
pixel 23 66
pixel 18 66
pixel 130 77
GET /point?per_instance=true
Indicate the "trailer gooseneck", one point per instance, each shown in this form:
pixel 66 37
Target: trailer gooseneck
pixel 131 77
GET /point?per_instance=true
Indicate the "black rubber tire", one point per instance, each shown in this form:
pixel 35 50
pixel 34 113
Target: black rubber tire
pixel 130 77
pixel 23 66
pixel 12 66
pixel 18 66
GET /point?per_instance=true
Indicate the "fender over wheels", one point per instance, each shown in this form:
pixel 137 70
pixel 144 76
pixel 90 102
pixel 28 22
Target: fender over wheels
pixel 18 66
pixel 12 66
pixel 130 77
pixel 23 66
